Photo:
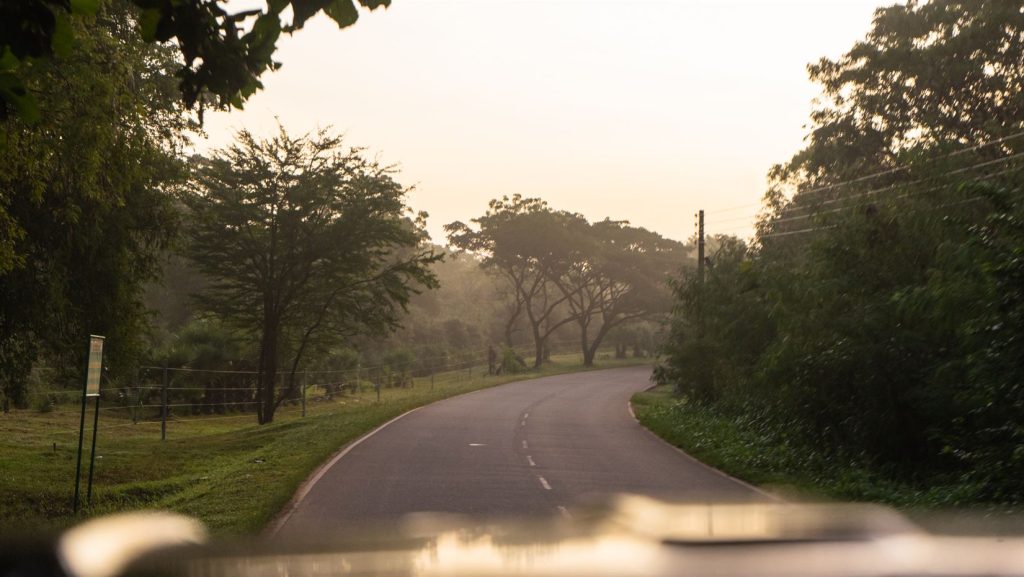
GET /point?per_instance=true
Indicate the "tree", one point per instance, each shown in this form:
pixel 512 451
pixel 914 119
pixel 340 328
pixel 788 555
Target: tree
pixel 85 211
pixel 930 77
pixel 223 53
pixel 562 269
pixel 304 243
pixel 615 274
pixel 521 239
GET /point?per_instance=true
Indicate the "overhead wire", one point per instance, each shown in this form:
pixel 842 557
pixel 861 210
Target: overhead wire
pixel 913 182
pixel 944 205
pixel 917 192
pixel 894 187
pixel 886 172
pixel 905 167
pixel 906 195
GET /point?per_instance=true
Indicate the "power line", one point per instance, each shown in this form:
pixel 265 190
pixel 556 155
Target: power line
pixel 894 187
pixel 924 191
pixel 909 166
pixel 884 172
pixel 737 218
pixel 733 208
pixel 934 208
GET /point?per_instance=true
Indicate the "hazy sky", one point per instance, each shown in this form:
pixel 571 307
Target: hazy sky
pixel 637 110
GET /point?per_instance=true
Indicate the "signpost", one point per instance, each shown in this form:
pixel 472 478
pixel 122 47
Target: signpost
pixel 90 388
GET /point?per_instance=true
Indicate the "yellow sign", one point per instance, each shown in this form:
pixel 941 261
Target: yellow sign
pixel 92 377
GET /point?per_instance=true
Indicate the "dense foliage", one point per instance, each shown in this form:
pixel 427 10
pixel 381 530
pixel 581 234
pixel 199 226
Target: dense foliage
pixel 223 53
pixel 84 211
pixel 878 311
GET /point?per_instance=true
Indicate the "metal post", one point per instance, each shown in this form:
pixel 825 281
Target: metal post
pixel 303 385
pixel 138 397
pixel 163 405
pixel 92 458
pixel 377 386
pixel 81 438
pixel 431 380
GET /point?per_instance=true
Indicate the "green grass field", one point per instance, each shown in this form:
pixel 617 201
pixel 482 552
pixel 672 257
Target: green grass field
pixel 227 471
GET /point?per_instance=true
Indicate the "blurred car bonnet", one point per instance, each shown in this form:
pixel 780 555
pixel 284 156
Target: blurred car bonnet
pixel 627 536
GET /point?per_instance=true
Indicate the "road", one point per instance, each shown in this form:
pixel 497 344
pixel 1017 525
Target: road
pixel 536 447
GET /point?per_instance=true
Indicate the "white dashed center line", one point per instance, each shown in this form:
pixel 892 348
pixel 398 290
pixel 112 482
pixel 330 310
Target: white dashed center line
pixel 529 460
pixel 544 483
pixel 525 446
pixel 565 512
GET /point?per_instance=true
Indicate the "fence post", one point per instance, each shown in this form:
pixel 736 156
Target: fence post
pixel 133 396
pixel 431 380
pixel 302 383
pixel 135 403
pixel 163 405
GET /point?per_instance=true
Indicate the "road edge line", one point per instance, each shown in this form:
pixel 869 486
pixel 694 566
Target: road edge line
pixel 293 504
pixel 754 488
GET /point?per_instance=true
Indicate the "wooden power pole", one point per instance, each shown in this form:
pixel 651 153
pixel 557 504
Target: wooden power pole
pixel 700 245
pixel 700 274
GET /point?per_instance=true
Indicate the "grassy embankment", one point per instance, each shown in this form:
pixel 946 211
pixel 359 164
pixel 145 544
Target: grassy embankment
pixel 227 471
pixel 744 449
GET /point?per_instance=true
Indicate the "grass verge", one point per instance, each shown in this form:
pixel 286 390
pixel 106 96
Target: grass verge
pixel 227 471
pixel 753 452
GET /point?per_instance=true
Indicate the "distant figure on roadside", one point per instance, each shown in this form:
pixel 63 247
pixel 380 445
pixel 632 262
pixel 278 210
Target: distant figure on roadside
pixel 492 360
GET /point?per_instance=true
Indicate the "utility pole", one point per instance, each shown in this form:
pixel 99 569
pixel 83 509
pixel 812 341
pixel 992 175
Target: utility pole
pixel 700 274
pixel 700 245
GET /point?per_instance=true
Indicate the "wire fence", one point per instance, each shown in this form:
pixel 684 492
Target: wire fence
pixel 168 400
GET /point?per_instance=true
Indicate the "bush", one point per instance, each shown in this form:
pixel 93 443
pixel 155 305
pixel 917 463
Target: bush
pixel 43 403
pixel 511 362
pixel 894 335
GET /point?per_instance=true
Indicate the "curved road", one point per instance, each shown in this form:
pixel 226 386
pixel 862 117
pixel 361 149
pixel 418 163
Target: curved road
pixel 527 448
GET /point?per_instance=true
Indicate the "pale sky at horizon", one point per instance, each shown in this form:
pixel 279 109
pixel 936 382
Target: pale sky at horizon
pixel 643 111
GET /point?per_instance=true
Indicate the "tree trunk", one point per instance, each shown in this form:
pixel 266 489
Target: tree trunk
pixel 590 352
pixel 268 371
pixel 588 359
pixel 510 325
pixel 538 348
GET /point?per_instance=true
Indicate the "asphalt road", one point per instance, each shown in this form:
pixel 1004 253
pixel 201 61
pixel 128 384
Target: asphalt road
pixel 537 447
